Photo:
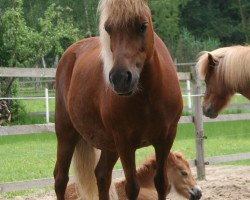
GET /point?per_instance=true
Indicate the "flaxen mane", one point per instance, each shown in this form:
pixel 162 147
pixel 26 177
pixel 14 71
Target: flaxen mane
pixel 118 13
pixel 233 65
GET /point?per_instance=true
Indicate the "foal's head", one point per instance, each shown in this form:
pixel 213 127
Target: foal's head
pixel 181 178
pixel 126 36
pixel 179 175
pixel 217 93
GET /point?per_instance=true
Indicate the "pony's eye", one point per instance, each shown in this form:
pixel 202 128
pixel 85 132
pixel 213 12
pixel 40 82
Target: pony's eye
pixel 184 173
pixel 107 28
pixel 143 27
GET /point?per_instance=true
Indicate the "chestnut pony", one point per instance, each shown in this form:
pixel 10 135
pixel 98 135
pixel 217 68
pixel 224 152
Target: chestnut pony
pixel 117 93
pixel 182 183
pixel 225 71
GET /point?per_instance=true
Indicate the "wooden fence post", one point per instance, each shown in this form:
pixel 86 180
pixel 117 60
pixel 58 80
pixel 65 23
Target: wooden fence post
pixel 198 123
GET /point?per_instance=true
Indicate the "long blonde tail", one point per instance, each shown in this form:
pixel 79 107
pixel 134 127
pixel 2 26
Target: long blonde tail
pixel 84 161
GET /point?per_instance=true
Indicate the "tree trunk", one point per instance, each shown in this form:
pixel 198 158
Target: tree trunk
pixel 243 21
pixel 87 18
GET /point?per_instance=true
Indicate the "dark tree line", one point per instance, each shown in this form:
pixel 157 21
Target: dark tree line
pixel 229 21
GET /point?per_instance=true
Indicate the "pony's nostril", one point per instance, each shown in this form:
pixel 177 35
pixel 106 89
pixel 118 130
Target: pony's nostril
pixel 110 78
pixel 129 77
pixel 195 193
pixel 207 109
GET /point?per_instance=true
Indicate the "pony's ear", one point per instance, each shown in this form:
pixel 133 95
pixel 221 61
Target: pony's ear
pixel 178 155
pixel 171 158
pixel 212 61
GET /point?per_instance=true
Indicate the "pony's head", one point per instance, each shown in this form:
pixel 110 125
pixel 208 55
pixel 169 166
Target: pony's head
pixel 126 37
pixel 217 93
pixel 181 178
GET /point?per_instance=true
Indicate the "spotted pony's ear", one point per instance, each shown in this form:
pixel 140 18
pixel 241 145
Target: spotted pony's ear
pixel 212 61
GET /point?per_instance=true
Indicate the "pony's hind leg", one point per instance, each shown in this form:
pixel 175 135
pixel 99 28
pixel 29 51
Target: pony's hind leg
pixel 162 150
pixel 66 142
pixel 103 173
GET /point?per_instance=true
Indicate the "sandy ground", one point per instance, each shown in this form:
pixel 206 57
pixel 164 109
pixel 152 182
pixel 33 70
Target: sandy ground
pixel 230 182
pixel 222 182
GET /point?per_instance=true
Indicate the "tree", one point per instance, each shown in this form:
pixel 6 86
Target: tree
pixel 57 31
pixel 188 46
pixel 19 40
pixel 244 8
pixel 166 18
pixel 24 46
pixel 217 19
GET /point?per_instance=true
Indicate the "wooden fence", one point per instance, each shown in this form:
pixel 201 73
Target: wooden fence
pixel 197 119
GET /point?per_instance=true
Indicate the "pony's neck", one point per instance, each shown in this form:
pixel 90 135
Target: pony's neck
pixel 151 73
pixel 245 92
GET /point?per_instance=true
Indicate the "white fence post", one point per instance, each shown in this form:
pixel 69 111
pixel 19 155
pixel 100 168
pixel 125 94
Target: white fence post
pixel 47 104
pixel 189 95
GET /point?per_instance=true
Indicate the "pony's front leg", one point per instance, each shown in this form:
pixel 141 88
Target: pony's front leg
pixel 65 150
pixel 162 150
pixel 103 173
pixel 127 156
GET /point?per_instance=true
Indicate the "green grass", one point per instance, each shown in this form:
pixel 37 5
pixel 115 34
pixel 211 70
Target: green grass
pixel 38 105
pixel 27 157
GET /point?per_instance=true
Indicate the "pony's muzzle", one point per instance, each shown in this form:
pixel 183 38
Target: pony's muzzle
pixel 121 80
pixel 195 193
pixel 208 111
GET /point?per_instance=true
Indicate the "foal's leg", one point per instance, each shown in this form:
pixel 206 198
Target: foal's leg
pixel 66 142
pixel 162 149
pixel 103 173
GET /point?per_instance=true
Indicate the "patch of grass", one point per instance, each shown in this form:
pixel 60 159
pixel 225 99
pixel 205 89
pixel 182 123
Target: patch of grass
pixel 11 195
pixel 26 157
pixel 38 105
pixel 25 118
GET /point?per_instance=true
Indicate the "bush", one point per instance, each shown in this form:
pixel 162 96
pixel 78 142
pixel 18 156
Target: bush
pixel 188 47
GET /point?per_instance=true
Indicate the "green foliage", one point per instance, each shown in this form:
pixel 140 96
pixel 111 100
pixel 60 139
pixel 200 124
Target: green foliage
pixel 219 19
pixel 56 29
pixel 188 46
pixel 25 45
pixel 16 36
pixel 166 17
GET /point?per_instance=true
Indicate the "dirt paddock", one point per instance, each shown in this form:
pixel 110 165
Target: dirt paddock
pixel 222 183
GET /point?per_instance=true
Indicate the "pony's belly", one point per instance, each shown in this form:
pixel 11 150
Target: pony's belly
pixel 100 139
pixel 95 134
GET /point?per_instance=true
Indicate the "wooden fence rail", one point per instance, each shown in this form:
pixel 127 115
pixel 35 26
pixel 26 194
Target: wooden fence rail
pixel 45 128
pixel 198 119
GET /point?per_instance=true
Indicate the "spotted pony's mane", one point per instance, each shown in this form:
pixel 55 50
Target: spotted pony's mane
pixel 233 65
